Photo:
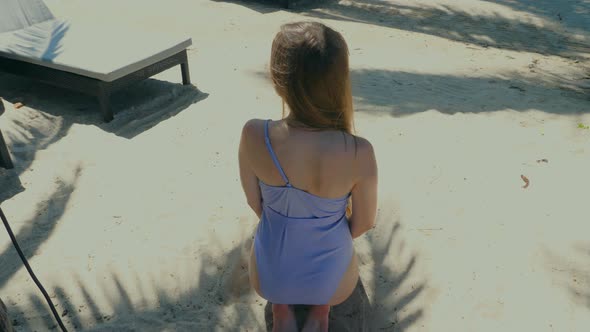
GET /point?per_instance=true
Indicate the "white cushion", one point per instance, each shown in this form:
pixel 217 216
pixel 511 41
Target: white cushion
pixel 19 14
pixel 103 52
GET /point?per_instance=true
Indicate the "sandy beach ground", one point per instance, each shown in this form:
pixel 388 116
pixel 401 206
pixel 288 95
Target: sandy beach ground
pixel 140 224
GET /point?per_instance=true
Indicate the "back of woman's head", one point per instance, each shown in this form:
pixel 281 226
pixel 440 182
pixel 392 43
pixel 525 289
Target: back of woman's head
pixel 309 70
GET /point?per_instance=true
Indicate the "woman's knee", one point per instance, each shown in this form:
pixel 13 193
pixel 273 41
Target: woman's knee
pixel 320 310
pixel 281 310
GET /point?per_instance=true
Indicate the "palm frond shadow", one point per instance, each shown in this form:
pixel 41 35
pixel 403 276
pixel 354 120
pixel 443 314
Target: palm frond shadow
pixel 223 287
pixel 137 108
pixel 396 293
pixel 395 93
pixel 573 273
pixel 260 6
pixel 394 306
pixel 222 283
pixel 271 6
pixel 38 229
pixel 26 132
pixel 46 119
pixel 451 23
pixel 383 92
pixel 572 14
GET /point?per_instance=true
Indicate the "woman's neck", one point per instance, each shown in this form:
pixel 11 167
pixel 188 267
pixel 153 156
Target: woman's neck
pixel 293 123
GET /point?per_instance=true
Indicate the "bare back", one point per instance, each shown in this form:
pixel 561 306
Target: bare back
pixel 328 164
pixel 319 162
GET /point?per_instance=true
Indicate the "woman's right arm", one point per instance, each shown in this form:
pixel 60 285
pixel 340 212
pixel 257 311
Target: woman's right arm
pixel 364 192
pixel 247 176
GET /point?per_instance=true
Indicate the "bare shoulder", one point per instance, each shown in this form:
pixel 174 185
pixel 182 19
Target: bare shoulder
pixel 361 150
pixel 252 126
pixel 364 148
pixel 365 157
pixel 252 130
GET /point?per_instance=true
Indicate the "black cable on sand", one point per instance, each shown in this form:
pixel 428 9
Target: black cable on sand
pixel 31 273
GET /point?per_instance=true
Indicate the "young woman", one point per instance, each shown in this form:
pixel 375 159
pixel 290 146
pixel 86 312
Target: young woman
pixel 312 183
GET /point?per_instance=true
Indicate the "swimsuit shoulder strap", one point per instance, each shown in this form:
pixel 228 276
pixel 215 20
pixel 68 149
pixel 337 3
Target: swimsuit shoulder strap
pixel 273 155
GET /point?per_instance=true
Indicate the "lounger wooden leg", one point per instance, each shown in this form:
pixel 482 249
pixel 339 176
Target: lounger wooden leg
pixel 5 322
pixel 104 98
pixel 186 76
pixel 5 160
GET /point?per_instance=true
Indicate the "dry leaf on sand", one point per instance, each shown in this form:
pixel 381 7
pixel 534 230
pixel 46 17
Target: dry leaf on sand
pixel 526 181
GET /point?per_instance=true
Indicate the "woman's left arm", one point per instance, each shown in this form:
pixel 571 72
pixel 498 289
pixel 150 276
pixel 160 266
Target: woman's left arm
pixel 248 179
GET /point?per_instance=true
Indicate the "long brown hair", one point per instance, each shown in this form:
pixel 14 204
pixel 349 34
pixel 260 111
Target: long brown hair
pixel 309 71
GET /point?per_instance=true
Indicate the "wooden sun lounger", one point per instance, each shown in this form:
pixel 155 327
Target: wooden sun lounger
pixel 93 59
pixel 5 160
pixel 5 323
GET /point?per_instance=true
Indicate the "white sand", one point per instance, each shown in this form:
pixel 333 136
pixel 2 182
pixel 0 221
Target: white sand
pixel 140 224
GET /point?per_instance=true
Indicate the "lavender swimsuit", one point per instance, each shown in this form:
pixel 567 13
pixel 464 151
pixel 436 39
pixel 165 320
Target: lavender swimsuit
pixel 303 244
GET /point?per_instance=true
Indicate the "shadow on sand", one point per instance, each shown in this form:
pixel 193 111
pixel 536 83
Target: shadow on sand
pixel 50 112
pixel 10 184
pixel 394 304
pixel 223 287
pixel 401 93
pixel 451 23
pixel 39 228
pixel 222 282
pixel 137 108
pixel 573 273
pixel 260 6
pixel 396 93
pixel 573 14
pixel 271 6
